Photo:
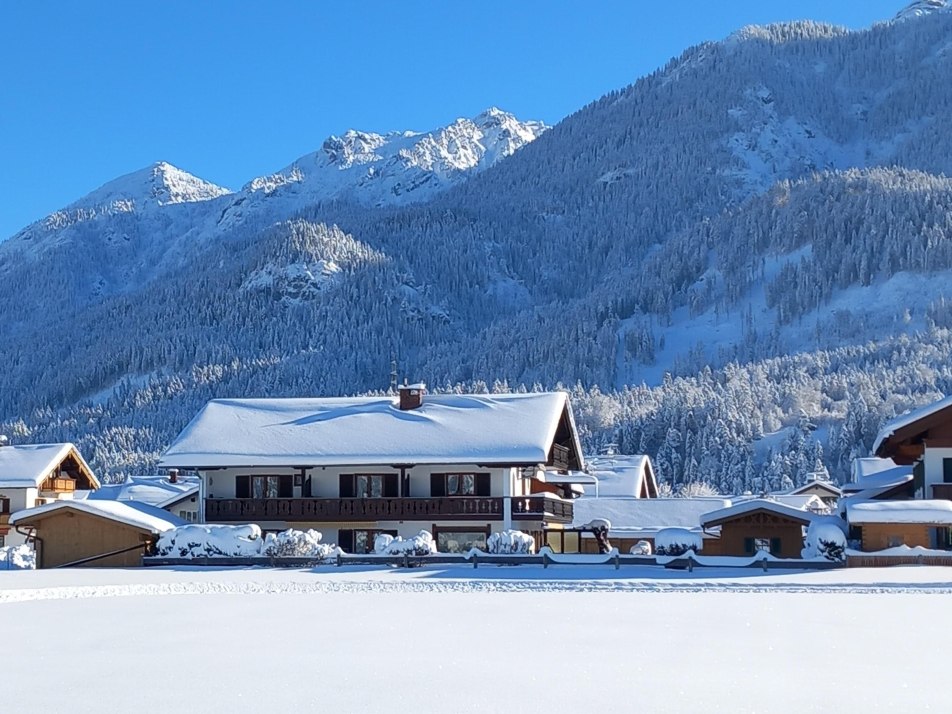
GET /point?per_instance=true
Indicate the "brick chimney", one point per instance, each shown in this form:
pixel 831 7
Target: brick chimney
pixel 173 475
pixel 411 395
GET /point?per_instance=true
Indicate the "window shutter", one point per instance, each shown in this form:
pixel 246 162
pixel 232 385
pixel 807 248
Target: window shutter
pixel 347 489
pixel 390 486
pixel 483 484
pixel 749 546
pixel 775 546
pixel 345 540
pixel 285 487
pixel 437 485
pixel 242 487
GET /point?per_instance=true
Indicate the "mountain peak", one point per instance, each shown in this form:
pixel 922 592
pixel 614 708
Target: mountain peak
pixel 159 184
pixel 920 8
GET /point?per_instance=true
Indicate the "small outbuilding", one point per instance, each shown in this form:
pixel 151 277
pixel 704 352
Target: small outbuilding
pixel 757 525
pixel 93 533
pixel 888 524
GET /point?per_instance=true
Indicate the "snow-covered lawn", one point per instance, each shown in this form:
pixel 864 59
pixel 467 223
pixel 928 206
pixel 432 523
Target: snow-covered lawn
pixel 452 639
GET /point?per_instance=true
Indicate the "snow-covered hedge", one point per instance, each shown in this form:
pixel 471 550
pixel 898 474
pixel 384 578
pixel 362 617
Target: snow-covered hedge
pixel 508 542
pixel 298 544
pixel 17 557
pixel 215 541
pixel 826 538
pixel 677 541
pixel 642 547
pixel 420 544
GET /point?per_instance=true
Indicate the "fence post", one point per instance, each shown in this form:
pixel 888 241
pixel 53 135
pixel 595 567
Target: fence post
pixel 617 562
pixel 475 561
pixel 763 564
pixel 406 560
pixel 690 563
pixel 338 559
pixel 545 560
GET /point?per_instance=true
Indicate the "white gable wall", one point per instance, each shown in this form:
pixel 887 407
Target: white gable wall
pixel 932 463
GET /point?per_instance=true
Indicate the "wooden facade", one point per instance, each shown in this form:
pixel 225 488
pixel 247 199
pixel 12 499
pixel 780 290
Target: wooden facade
pixel 66 535
pixel 908 443
pixel 745 534
pixel 879 536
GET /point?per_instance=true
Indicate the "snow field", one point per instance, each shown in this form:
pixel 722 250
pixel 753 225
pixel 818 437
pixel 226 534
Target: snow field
pixel 253 640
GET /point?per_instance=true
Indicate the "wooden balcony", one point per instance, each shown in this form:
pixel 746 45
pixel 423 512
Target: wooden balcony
pixel 942 491
pixel 458 508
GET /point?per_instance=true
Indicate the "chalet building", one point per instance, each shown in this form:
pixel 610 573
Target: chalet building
pixel 461 466
pixel 922 439
pixel 36 474
pixel 94 533
pixel 173 493
pixel 825 490
pixel 879 525
pixel 749 527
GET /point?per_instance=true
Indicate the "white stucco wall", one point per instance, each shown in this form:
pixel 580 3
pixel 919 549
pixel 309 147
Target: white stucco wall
pixel 932 463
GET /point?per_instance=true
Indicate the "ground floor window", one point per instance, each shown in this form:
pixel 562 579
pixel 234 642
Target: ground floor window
pixel 459 541
pixel 187 516
pixel 893 541
pixel 3 541
pixel 360 541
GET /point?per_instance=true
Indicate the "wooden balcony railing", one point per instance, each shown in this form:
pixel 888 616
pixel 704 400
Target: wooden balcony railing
pixel 942 491
pixel 462 508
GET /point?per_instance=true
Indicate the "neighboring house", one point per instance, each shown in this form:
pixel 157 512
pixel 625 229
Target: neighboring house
pixel 621 475
pixel 632 520
pixel 805 502
pixel 459 465
pixel 93 533
pixel 35 474
pixel 880 478
pixel 878 525
pixel 756 525
pixel 825 490
pixel 922 439
pixel 173 493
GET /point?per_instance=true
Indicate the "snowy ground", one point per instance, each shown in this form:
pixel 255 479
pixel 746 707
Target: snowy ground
pixel 453 639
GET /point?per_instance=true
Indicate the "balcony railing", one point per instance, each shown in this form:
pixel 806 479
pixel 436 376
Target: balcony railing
pixel 942 491
pixel 250 510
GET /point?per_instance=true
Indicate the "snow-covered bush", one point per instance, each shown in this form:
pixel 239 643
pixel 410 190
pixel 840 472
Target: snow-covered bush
pixel 17 557
pixel 298 544
pixel 210 541
pixel 642 547
pixel 508 542
pixel 677 541
pixel 826 538
pixel 382 541
pixel 420 544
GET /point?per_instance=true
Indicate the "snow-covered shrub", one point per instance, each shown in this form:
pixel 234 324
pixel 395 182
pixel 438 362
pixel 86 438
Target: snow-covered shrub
pixel 677 541
pixel 210 541
pixel 298 544
pixel 642 547
pixel 420 544
pixel 17 557
pixel 508 542
pixel 826 538
pixel 382 541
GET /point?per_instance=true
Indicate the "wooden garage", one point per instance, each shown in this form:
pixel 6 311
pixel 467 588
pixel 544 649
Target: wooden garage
pixel 889 524
pixel 93 533
pixel 757 525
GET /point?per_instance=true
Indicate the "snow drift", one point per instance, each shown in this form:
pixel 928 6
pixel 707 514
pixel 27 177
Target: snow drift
pixel 508 542
pixel 420 544
pixel 216 541
pixel 17 557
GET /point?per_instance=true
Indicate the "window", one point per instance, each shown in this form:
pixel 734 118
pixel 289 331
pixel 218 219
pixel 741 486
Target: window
pixel 3 541
pixel 893 541
pixel 763 545
pixel 459 485
pixel 360 541
pixel 4 505
pixel 368 486
pixel 946 470
pixel 458 541
pixel 187 516
pixel 263 487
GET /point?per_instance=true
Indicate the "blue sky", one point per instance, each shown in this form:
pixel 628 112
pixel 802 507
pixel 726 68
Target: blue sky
pixel 233 90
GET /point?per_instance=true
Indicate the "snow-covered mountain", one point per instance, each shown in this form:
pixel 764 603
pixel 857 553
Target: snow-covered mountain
pixel 923 7
pixel 388 169
pixel 773 206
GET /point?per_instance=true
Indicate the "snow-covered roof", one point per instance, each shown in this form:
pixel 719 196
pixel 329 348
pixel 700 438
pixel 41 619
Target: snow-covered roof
pixel 153 490
pixel 804 502
pixel 874 473
pixel 900 422
pixel 934 512
pixel 644 514
pixel 445 429
pixel 755 504
pixel 622 474
pixel 29 465
pixel 137 515
pixel 827 486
